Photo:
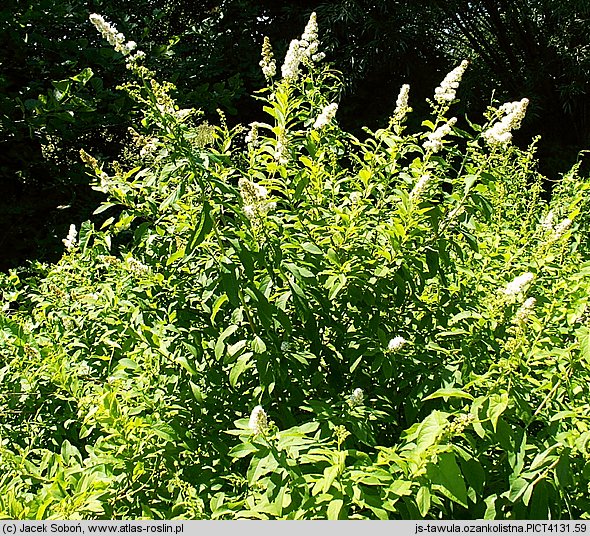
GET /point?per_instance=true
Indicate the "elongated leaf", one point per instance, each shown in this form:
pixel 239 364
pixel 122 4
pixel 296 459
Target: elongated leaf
pixel 334 509
pixel 202 230
pixel 423 500
pixel 448 393
pixel 447 476
pixel 497 405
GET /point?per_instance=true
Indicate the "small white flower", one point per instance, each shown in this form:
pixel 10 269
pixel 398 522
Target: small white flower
pixel 512 115
pixel 261 191
pixel 285 346
pixel 258 421
pixel 268 64
pixel 525 310
pixel 401 104
pixel 109 32
pixel 290 68
pixel 547 221
pixel 396 344
pixel 356 398
pixel 434 140
pixel 249 212
pixel 328 113
pixel 355 197
pixel 561 228
pixel 420 186
pixel 70 241
pixel 447 90
pixel 309 42
pixel 517 285
pixel 136 266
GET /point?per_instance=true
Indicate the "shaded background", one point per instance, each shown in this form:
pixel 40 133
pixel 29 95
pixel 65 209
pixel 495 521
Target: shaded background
pixel 51 105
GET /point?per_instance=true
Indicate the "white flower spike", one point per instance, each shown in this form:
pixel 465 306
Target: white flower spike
pixel 396 344
pixel 258 421
pixel 70 241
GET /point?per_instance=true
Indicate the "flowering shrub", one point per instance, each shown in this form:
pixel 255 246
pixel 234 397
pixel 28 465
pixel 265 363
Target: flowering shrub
pixel 296 323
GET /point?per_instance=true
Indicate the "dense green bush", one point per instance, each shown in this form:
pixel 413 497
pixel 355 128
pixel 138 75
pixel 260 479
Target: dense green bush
pixel 292 322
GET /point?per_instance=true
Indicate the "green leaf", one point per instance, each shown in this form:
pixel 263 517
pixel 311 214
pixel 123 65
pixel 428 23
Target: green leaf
pixel 469 182
pixel 242 450
pixel 583 335
pixel 178 254
pixel 476 410
pixel 447 476
pixel 260 467
pixel 217 305
pixel 474 474
pixel 448 393
pixel 165 431
pixel 197 393
pixel 202 230
pixel 430 430
pixel 83 76
pixel 311 248
pixel 330 474
pixel 423 500
pixel 334 509
pixel 258 346
pixel 400 488
pixel 490 512
pixel 356 363
pixel 299 272
pixel 497 405
pixel 243 363
pixel 220 344
pixel 518 486
pixel 127 363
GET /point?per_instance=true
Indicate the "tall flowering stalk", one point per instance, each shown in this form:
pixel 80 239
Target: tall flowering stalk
pixel 258 422
pixel 328 113
pixel 401 105
pixel 518 284
pixel 290 68
pixel 115 38
pixel 420 187
pixel 447 91
pixel 434 141
pixel 309 42
pixel 267 63
pixel 512 115
pixel 70 241
pixel 304 50
pixel 255 199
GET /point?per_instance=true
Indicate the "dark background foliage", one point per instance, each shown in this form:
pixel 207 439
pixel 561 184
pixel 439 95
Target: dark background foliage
pixel 50 107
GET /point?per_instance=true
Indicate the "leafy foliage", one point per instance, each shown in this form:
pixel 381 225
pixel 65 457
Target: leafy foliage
pixel 371 295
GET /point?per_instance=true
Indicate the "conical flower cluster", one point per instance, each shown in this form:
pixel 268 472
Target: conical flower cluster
pixel 401 104
pixel 255 199
pixel 328 113
pixel 356 398
pixel 258 421
pixel 109 32
pixel 447 91
pixel 434 142
pixel 268 64
pixel 302 50
pixel 513 114
pixel 70 241
pixel 517 285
